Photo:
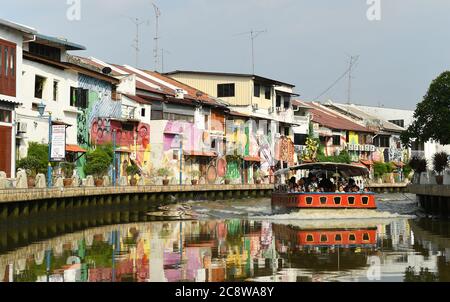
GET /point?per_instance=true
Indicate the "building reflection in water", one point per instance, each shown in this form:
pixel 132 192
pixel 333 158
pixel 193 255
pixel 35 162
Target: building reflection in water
pixel 234 250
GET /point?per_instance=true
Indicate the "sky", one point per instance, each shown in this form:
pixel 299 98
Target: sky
pixel 308 43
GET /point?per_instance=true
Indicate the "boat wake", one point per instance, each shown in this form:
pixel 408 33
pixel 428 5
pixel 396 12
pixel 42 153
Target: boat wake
pixel 321 214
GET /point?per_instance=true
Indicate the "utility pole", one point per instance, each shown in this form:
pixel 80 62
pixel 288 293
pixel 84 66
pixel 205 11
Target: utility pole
pixel 136 41
pixel 156 38
pixel 253 35
pixel 353 60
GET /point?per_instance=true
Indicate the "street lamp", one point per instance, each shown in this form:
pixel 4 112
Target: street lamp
pixel 41 110
pixel 114 171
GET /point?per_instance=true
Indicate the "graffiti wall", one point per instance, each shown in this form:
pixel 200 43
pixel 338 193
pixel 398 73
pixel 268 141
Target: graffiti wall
pixel 102 116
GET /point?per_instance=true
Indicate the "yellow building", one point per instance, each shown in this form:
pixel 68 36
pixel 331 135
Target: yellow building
pixel 239 89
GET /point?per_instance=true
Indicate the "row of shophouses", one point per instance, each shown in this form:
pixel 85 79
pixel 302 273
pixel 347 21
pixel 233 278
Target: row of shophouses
pixel 221 124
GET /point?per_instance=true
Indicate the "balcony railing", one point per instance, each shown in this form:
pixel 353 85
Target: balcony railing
pixel 416 153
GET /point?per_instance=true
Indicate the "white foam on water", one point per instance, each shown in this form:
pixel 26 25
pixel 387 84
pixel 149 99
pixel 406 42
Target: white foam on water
pixel 337 223
pixel 253 209
pixel 324 214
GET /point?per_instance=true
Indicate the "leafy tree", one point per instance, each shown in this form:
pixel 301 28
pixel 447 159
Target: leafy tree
pixel 99 160
pixel 432 114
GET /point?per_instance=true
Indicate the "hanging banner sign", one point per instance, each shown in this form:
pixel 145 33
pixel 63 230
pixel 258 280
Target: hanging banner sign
pixel 58 148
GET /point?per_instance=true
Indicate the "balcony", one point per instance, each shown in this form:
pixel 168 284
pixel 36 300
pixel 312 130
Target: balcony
pixel 417 153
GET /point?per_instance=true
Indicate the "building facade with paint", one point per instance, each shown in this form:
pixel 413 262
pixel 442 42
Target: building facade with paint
pixel 12 37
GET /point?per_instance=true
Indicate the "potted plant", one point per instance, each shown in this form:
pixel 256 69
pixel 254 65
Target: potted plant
pixel 132 171
pixel 164 172
pixel 258 176
pixel 97 164
pixel 31 165
pixel 67 169
pixel 196 174
pixel 419 165
pixel 440 162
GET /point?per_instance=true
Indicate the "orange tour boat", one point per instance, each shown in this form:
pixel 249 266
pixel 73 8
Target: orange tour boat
pixel 328 186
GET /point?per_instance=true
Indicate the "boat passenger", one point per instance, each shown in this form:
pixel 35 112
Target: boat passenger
pixel 341 189
pixel 325 184
pixel 311 184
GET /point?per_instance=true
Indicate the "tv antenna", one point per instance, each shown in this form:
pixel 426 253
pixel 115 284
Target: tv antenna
pixel 136 41
pixel 353 61
pixel 156 38
pixel 253 35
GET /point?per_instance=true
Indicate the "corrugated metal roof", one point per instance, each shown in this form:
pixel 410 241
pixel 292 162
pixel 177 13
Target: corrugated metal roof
pixel 17 26
pixel 61 42
pixel 324 117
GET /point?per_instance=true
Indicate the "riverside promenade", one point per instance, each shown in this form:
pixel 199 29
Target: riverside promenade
pixel 433 199
pixel 16 203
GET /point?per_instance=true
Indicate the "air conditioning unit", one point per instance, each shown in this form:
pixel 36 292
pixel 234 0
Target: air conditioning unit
pixel 279 109
pixel 366 148
pixel 351 147
pixel 179 94
pixel 372 148
pixel 255 107
pixel 21 127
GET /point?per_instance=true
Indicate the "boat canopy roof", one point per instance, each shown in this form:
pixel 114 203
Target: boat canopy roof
pixel 345 170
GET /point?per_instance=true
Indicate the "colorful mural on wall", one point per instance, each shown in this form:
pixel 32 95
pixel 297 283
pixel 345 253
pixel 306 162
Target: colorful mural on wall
pixel 102 116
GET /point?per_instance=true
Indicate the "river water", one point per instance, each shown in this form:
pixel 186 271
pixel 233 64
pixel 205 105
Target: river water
pixel 237 241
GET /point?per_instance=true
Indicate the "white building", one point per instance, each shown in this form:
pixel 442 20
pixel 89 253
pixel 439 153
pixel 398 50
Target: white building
pixel 404 118
pixel 12 36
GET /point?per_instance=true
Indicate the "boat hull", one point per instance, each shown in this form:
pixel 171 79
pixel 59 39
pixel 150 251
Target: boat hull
pixel 324 200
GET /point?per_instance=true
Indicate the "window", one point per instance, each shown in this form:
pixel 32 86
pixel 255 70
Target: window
pixel 287 102
pixel 338 237
pixel 382 141
pixel 300 139
pixel 225 90
pixel 351 200
pixel 336 140
pixel 337 200
pixel 366 237
pixel 323 200
pixel 143 112
pixel 79 97
pixel 48 52
pixel 257 90
pixel 309 200
pixel 156 115
pixel 278 103
pixel 400 123
pixel 323 238
pixel 268 93
pixel 39 83
pixel 309 238
pixel 178 117
pixel 55 90
pixel 417 146
pixel 352 237
pixel 7 68
pixel 365 200
pixel 287 131
pixel 5 116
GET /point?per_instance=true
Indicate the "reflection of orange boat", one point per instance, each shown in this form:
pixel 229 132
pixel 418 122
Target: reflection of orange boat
pixel 326 237
pixel 307 200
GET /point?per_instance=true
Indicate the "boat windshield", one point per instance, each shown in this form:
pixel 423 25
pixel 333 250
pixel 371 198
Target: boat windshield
pixel 322 178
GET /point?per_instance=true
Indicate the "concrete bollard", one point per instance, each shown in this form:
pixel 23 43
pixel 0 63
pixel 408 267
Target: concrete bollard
pixel 22 180
pixel 106 181
pixel 3 180
pixel 123 181
pixel 41 182
pixel 90 181
pixel 59 183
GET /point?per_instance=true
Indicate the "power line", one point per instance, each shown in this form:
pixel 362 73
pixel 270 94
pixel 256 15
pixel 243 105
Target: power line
pixel 353 61
pixel 337 81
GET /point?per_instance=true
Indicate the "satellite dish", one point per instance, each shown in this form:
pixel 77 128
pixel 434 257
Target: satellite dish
pixel 107 70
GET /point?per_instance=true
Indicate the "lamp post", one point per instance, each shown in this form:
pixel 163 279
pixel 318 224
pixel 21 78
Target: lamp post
pixel 41 110
pixel 114 170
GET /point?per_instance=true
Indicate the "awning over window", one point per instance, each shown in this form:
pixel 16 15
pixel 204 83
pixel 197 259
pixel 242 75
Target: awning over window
pixel 252 159
pixel 201 153
pixel 75 149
